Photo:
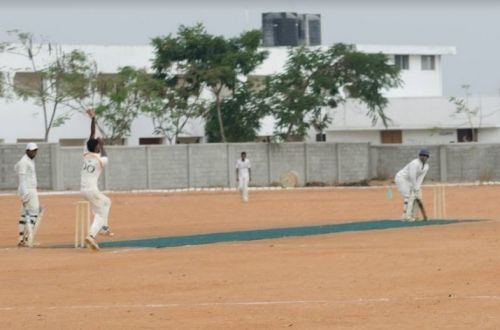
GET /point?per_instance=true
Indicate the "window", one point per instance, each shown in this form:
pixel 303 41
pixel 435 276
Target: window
pixel 258 83
pixel 188 140
pixel 72 142
pixel 428 62
pixel 402 61
pixel 391 137
pixel 295 138
pixel 467 135
pixel 29 140
pixel 115 142
pixel 2 84
pixel 264 139
pixel 150 140
pixel 27 82
pixel 321 137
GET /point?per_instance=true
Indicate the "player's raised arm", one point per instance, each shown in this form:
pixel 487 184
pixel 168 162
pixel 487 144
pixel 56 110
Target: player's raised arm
pixel 101 147
pixel 91 114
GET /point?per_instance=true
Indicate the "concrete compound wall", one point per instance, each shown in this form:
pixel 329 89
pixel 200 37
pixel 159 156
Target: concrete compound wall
pixel 213 165
pixel 46 165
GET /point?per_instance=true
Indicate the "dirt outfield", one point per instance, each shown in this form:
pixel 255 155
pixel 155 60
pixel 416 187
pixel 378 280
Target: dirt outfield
pixel 433 277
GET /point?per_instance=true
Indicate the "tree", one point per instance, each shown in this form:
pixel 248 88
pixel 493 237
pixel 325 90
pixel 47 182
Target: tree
pixel 58 77
pixel 170 109
pixel 473 116
pixel 316 78
pixel 320 120
pixel 122 97
pixel 241 114
pixel 206 61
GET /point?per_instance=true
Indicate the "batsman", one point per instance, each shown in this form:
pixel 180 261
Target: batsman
pixel 31 212
pixel 409 181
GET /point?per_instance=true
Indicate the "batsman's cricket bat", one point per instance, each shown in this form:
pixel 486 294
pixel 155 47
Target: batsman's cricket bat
pixel 39 221
pixel 31 234
pixel 422 209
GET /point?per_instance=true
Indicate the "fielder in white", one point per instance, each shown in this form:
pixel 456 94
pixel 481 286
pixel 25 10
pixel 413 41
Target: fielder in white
pixel 26 174
pixel 94 161
pixel 409 181
pixel 243 175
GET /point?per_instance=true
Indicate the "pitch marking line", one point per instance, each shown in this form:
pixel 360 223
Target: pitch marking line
pixel 234 189
pixel 359 301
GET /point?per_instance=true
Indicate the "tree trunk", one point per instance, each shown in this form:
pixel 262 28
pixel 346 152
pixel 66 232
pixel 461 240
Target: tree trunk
pixel 288 132
pixel 44 108
pixel 51 121
pixel 219 116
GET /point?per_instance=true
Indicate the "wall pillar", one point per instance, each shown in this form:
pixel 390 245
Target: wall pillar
pixel 443 164
pixel 56 168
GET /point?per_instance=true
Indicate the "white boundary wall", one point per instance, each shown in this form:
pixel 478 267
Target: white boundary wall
pixel 212 165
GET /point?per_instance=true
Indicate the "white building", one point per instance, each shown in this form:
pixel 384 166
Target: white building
pixel 419 112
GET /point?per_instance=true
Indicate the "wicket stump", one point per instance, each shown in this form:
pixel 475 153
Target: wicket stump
pixel 439 202
pixel 82 223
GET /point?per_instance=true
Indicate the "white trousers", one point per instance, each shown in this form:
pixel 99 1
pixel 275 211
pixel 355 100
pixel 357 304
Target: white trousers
pixel 243 187
pixel 100 205
pixel 29 214
pixel 404 187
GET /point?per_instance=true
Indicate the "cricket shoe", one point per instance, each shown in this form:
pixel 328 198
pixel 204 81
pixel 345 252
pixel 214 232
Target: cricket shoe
pixel 22 244
pixel 105 231
pixel 408 218
pixel 91 242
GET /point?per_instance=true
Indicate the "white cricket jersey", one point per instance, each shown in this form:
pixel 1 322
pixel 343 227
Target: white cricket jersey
pixel 243 167
pixel 25 169
pixel 414 173
pixel 93 164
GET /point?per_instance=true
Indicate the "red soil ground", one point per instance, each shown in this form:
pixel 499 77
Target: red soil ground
pixel 433 277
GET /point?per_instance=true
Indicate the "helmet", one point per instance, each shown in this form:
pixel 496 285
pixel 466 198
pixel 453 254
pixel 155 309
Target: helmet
pixel 424 152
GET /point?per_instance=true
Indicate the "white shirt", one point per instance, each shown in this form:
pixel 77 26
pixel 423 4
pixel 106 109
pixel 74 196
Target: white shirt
pixel 93 164
pixel 414 173
pixel 25 169
pixel 243 167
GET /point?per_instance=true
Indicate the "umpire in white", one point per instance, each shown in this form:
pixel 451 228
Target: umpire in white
pixel 26 174
pixel 409 181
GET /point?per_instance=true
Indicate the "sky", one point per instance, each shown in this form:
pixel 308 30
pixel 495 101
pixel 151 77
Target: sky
pixel 473 27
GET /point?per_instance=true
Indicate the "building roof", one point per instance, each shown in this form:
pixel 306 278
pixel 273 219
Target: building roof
pixel 111 57
pixel 407 49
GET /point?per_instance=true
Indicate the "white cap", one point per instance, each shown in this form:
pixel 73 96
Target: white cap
pixel 31 146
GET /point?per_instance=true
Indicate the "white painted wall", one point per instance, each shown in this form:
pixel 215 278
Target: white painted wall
pixel 418 82
pixel 418 137
pixel 353 136
pixel 24 119
pixel 430 136
pixel 419 113
pixel 143 128
pixel 413 137
pixel 489 135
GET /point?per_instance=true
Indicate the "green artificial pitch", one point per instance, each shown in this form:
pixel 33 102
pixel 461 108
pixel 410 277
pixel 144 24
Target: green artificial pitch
pixel 260 234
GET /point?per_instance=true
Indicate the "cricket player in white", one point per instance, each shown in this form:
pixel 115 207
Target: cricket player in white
pixel 409 181
pixel 94 161
pixel 26 174
pixel 243 175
